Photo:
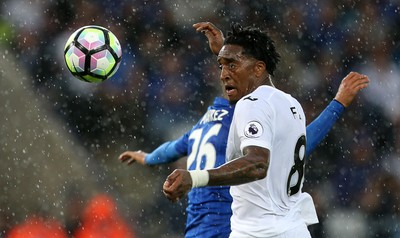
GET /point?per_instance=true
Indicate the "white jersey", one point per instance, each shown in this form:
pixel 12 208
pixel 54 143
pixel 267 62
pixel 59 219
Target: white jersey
pixel 274 120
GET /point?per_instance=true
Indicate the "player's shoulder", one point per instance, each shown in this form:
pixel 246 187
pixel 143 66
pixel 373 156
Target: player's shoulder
pixel 273 94
pixel 267 91
pixel 261 94
pixel 254 101
pixel 266 96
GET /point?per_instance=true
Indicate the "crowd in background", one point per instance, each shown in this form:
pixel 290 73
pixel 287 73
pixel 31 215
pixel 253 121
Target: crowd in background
pixel 168 77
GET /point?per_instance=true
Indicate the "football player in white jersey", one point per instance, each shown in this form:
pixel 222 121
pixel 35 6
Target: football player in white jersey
pixel 269 125
pixel 266 145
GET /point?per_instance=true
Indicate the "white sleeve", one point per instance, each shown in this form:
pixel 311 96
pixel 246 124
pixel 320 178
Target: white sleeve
pixel 254 124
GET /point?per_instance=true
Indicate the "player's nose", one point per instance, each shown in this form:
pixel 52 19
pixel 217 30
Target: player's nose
pixel 224 76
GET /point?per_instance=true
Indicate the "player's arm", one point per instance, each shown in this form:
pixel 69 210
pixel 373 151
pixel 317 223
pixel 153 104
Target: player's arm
pixel 165 153
pixel 214 35
pixel 348 89
pixel 251 167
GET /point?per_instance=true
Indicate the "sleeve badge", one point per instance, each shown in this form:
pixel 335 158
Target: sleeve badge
pixel 253 129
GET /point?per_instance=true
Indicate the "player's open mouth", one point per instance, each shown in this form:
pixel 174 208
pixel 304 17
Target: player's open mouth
pixel 230 90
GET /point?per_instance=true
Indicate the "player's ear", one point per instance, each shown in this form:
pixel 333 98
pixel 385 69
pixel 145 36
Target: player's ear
pixel 260 68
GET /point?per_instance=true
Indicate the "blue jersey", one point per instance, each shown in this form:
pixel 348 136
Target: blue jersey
pixel 209 208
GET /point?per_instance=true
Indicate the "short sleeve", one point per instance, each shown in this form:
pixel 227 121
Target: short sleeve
pixel 254 124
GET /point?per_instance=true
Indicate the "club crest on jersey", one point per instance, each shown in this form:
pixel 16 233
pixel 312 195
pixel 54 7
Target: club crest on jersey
pixel 253 129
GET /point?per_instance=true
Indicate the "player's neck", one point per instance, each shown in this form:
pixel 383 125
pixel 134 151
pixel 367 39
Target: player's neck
pixel 268 81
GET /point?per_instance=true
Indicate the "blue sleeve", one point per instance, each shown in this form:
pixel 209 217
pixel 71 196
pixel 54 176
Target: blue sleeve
pixel 165 153
pixel 319 128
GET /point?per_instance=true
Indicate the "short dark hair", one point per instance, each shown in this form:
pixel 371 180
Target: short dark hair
pixel 255 43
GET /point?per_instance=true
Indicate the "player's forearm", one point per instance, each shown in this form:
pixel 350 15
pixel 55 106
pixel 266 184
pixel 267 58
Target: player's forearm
pixel 246 169
pixel 165 153
pixel 319 128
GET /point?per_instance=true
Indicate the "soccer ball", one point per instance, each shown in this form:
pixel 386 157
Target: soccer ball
pixel 92 54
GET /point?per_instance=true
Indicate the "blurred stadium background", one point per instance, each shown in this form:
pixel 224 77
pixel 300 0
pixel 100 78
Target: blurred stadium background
pixel 60 138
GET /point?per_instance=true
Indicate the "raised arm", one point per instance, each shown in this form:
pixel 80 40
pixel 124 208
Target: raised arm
pixel 350 86
pixel 348 89
pixel 214 35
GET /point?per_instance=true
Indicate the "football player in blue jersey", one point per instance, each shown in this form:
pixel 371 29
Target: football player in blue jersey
pixel 209 208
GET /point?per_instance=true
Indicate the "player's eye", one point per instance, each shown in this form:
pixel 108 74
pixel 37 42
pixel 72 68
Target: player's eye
pixel 229 66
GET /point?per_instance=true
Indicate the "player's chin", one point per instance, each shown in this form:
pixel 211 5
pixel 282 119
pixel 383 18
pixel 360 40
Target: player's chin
pixel 232 100
pixel 234 96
